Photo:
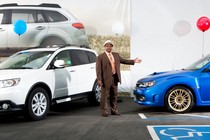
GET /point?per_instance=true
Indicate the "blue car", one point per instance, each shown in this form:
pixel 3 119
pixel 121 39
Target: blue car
pixel 178 91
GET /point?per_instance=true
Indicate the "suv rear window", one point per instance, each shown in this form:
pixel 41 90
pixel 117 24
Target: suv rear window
pixel 79 57
pixel 91 56
pixel 54 16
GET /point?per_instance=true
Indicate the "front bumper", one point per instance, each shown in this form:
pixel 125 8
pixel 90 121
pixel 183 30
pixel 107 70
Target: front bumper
pixel 148 96
pixel 9 106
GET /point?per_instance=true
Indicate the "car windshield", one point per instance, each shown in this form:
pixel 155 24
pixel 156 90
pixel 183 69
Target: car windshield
pixel 26 60
pixel 199 64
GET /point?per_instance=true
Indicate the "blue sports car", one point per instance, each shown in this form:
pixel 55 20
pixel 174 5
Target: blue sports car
pixel 178 91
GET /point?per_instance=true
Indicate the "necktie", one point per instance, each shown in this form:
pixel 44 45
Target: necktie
pixel 112 61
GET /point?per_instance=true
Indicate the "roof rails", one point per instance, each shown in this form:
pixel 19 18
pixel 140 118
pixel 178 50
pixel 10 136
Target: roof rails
pixel 52 5
pixel 84 46
pixel 9 4
pixel 65 45
pixel 52 46
pixel 57 46
pixel 60 46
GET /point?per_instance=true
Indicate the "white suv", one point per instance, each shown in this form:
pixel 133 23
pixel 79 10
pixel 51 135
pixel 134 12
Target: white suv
pixel 33 80
pixel 47 24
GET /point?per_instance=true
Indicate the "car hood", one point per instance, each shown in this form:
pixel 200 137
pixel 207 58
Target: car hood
pixel 7 74
pixel 168 75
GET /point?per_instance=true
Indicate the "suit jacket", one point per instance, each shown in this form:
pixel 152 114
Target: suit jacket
pixel 104 69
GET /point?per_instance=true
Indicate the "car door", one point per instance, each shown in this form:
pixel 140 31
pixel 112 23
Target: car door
pixel 3 28
pixel 36 28
pixel 204 83
pixel 65 78
pixel 85 70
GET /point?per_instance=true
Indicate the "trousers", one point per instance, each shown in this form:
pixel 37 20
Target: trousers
pixel 111 93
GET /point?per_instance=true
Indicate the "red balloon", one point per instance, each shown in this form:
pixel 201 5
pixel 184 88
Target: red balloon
pixel 203 23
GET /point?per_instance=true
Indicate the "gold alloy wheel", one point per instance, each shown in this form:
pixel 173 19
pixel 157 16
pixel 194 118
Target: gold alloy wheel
pixel 179 100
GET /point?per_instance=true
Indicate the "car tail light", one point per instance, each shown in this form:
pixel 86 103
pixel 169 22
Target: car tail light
pixel 78 25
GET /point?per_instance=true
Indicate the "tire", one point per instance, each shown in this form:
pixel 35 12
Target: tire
pixel 179 100
pixel 52 41
pixel 95 96
pixel 37 105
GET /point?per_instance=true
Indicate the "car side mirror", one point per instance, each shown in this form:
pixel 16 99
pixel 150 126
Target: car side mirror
pixel 206 70
pixel 59 64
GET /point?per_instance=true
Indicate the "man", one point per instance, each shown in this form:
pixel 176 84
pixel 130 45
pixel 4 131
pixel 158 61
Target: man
pixel 108 76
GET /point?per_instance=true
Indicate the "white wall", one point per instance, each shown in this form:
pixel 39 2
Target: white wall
pixel 156 41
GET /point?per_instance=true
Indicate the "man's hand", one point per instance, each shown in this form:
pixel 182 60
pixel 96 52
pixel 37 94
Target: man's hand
pixel 100 83
pixel 137 60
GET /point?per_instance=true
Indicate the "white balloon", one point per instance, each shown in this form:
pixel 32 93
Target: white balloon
pixel 118 28
pixel 182 28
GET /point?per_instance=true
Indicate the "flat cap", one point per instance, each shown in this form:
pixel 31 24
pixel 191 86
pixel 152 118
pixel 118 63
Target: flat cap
pixel 108 42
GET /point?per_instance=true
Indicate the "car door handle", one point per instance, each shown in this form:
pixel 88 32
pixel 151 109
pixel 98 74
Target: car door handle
pixel 2 29
pixel 40 28
pixel 72 70
pixel 92 67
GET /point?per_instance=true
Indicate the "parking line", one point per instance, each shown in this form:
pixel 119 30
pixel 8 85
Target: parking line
pixel 193 115
pixel 141 115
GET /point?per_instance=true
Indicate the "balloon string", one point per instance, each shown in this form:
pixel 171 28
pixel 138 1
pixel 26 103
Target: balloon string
pixel 19 43
pixel 203 46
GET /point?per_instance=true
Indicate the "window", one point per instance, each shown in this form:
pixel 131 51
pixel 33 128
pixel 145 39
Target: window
pixel 29 16
pixel 2 17
pixel 40 18
pixel 54 16
pixel 91 56
pixel 79 57
pixel 64 55
pixel 29 60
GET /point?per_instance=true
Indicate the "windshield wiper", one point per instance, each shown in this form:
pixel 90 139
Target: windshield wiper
pixel 10 68
pixel 19 68
pixel 25 68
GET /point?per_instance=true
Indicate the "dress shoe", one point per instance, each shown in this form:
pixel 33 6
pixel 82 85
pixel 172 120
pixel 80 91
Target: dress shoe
pixel 115 113
pixel 105 115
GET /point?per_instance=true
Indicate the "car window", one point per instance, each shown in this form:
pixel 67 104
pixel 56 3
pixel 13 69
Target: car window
pixel 199 64
pixel 29 16
pixel 2 16
pixel 54 16
pixel 91 56
pixel 40 18
pixel 26 60
pixel 64 55
pixel 79 57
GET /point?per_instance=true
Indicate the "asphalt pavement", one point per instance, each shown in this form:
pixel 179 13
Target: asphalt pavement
pixel 78 120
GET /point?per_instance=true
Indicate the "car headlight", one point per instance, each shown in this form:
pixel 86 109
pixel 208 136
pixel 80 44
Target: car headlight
pixel 145 84
pixel 9 82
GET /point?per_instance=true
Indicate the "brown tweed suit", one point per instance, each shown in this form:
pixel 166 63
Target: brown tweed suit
pixel 110 81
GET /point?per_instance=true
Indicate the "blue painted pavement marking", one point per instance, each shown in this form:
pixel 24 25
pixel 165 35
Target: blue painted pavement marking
pixel 174 117
pixel 179 132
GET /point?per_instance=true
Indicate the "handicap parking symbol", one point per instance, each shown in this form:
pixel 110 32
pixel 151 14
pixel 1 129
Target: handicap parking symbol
pixel 179 132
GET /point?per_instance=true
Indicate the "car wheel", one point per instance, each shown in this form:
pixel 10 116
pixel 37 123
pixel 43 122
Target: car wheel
pixel 52 41
pixel 95 96
pixel 37 105
pixel 179 100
